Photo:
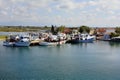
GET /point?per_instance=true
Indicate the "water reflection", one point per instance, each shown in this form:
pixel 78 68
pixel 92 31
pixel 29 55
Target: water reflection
pixel 14 50
pixel 114 44
pixel 81 44
pixel 84 61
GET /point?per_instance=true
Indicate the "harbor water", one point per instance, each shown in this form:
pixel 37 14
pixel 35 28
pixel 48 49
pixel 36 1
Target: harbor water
pixel 86 61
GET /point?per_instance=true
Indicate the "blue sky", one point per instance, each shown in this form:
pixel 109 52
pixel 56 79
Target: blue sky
pixel 60 12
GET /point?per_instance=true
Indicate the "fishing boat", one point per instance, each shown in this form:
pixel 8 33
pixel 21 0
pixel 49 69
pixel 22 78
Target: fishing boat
pixel 17 41
pixel 61 38
pixel 22 41
pixel 53 40
pixel 10 41
pixel 83 38
pixel 115 39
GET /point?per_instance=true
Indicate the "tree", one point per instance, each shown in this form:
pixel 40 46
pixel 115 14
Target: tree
pixel 84 29
pixel 113 35
pixel 52 29
pixel 61 28
pixel 117 30
pixel 116 33
pixel 45 27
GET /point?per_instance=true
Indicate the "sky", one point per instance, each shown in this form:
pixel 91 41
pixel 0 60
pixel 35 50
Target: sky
pixel 95 13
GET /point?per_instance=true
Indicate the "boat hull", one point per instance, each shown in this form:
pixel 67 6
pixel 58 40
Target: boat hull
pixel 114 40
pixel 82 41
pixel 8 44
pixel 52 43
pixel 22 44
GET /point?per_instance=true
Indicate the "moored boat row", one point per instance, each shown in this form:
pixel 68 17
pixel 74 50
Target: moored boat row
pixel 48 39
pixel 44 40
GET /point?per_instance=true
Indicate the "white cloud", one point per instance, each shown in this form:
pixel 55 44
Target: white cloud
pixel 93 3
pixel 71 5
pixel 67 5
pixel 3 13
pixel 66 12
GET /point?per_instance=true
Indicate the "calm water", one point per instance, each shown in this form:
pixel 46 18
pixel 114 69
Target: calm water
pixel 92 61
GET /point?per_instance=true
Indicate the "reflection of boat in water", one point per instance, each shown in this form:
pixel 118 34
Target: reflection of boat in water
pixel 61 42
pixel 114 44
pixel 83 38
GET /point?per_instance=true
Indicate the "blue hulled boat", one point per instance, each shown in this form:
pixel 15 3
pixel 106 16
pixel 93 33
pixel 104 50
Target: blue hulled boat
pixel 8 44
pixel 115 39
pixel 22 41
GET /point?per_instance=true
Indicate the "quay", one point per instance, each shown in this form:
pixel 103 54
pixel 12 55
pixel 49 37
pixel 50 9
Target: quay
pixel 35 42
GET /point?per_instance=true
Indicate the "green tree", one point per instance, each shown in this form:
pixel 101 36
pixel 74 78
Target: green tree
pixel 84 29
pixel 45 27
pixel 61 29
pixel 52 29
pixel 117 30
pixel 114 35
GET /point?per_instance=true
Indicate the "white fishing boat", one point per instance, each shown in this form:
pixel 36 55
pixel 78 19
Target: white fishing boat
pixel 17 41
pixel 53 40
pixel 61 38
pixel 10 41
pixel 22 41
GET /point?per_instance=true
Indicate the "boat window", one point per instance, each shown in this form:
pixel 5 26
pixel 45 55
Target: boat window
pixel 86 35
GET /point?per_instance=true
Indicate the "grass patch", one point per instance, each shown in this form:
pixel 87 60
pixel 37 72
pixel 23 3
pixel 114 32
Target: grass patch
pixel 2 37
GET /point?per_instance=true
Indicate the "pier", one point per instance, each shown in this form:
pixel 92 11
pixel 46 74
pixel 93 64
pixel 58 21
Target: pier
pixel 35 42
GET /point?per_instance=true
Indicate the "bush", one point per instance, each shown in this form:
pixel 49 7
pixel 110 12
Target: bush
pixel 114 35
pixel 83 29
